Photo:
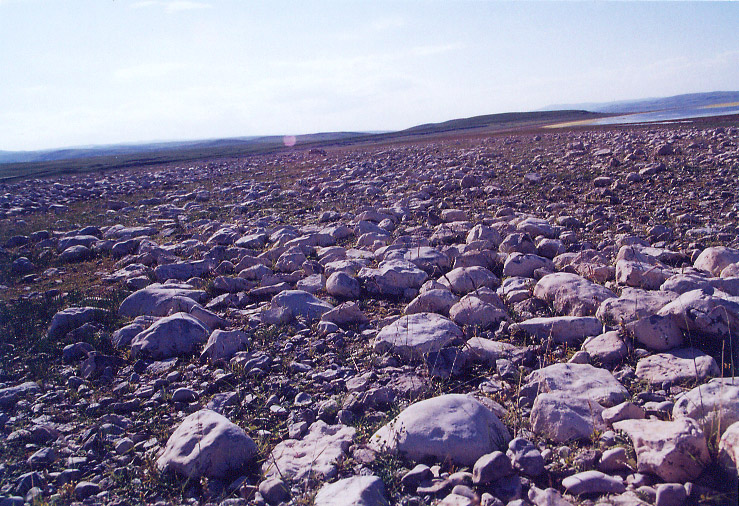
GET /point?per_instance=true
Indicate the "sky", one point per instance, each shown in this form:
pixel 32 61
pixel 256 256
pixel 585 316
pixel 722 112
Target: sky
pixel 88 72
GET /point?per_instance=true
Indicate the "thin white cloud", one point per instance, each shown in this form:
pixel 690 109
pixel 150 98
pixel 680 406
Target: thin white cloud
pixel 149 71
pixel 172 5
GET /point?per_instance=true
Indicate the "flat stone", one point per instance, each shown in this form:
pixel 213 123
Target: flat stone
pixel 578 380
pixel 677 366
pixel 593 482
pixel 452 427
pixel 414 335
pixel 318 454
pixel 561 329
pixel 354 491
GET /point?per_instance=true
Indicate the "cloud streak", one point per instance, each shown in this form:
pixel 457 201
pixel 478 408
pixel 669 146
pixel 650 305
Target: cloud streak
pixel 172 6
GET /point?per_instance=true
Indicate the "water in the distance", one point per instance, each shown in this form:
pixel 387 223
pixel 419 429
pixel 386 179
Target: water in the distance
pixel 670 115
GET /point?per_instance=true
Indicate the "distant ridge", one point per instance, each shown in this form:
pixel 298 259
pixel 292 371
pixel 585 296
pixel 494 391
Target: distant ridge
pixel 158 147
pixel 687 101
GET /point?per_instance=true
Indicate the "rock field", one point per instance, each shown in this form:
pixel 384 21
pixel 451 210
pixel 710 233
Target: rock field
pixel 533 318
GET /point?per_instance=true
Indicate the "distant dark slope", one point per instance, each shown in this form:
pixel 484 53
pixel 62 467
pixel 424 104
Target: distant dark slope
pixel 499 121
pixel 688 101
pixel 160 147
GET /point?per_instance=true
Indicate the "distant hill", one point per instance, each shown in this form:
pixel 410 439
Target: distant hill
pixel 688 101
pixel 159 147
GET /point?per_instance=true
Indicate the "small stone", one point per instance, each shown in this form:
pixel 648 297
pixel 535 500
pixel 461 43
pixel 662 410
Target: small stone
pixel 85 489
pixel 274 490
pixel 491 467
pixel 670 494
pixel 525 457
pixel 593 482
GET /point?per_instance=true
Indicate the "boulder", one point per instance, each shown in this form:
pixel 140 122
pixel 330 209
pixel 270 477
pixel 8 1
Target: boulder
pixel 414 335
pixel 562 417
pixel 392 278
pixel 453 427
pixel 207 444
pixel 633 304
pixel 706 312
pixel 571 294
pixel 343 286
pixel 463 280
pixel 593 482
pixel 432 301
pixel 71 318
pixel 222 345
pixel 172 336
pixel 656 332
pixel 607 348
pixel 160 300
pixel 524 265
pixel 728 448
pixel 10 395
pixel 676 451
pixel 183 271
pixel 714 405
pixel 346 313
pixel 473 311
pixel 298 303
pixel 716 258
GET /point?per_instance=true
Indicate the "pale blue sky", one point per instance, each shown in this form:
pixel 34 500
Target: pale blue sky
pixel 79 72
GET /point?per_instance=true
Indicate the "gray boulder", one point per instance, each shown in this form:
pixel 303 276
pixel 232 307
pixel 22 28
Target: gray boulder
pixel 451 427
pixel 207 444
pixel 172 336
pixel 414 335
pixel 571 294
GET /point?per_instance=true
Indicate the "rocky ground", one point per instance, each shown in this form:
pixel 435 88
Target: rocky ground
pixel 536 318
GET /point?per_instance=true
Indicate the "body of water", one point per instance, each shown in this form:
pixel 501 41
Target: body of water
pixel 668 115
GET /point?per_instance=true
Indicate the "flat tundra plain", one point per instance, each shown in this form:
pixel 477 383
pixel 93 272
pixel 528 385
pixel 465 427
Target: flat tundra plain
pixel 543 317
